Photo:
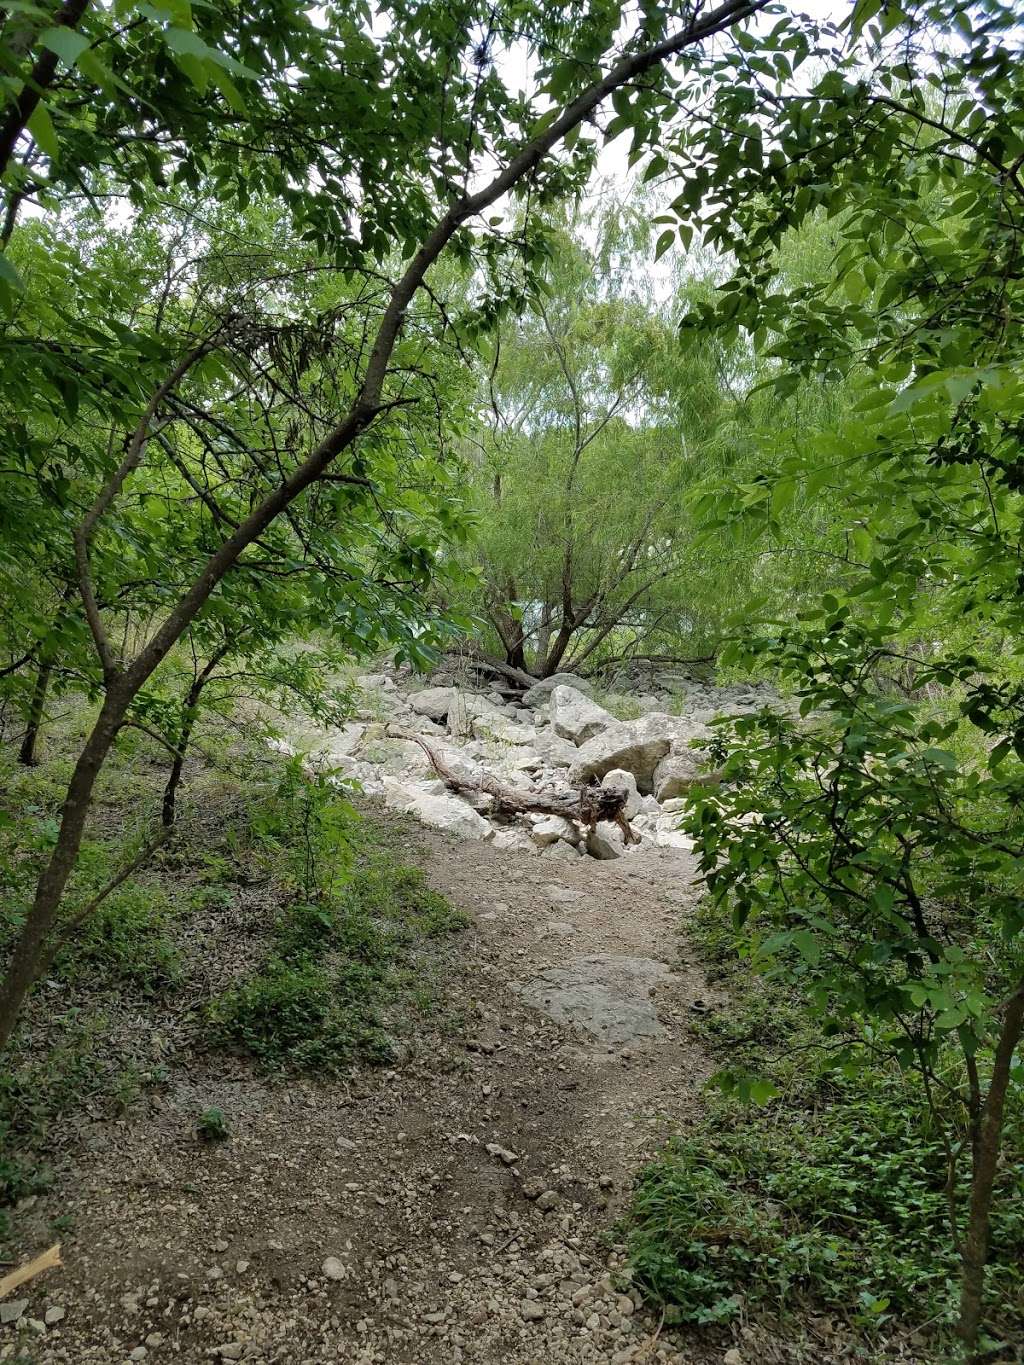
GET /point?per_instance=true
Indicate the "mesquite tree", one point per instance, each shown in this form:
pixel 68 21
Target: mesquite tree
pixel 594 428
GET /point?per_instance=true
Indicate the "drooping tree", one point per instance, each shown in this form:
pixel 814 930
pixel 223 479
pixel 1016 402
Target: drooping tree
pixel 592 432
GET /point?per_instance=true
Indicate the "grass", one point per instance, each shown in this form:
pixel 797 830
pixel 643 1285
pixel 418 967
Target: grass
pixel 341 958
pixel 831 1196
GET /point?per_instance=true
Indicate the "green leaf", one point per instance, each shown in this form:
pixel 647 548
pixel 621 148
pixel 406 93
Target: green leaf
pixel 9 275
pixel 197 71
pixel 808 946
pixel 40 125
pixel 183 42
pixel 68 43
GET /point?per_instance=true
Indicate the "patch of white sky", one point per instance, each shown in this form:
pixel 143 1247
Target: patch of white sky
pixel 615 179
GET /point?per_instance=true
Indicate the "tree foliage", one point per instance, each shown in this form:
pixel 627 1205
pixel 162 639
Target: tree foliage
pixel 873 849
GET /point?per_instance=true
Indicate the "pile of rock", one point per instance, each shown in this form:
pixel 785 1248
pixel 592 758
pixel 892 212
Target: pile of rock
pixel 553 738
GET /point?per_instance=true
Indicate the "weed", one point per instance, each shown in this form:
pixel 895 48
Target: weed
pixel 211 1126
pixel 848 1208
pixel 290 1018
pixel 343 952
pixel 835 1195
pixel 37 1088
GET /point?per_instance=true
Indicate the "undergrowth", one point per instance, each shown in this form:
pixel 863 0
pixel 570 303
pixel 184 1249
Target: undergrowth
pixel 343 951
pixel 830 1196
pixel 346 932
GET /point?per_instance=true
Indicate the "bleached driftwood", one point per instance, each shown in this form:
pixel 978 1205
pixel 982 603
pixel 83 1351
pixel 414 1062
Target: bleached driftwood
pixel 586 805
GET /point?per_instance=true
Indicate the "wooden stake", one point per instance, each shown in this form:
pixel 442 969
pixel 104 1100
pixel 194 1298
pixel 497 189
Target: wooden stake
pixel 48 1260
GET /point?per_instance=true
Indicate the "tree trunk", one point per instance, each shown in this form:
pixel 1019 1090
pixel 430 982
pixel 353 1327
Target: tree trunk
pixel 586 805
pixel 27 752
pixel 189 712
pixel 30 950
pixel 986 1157
pixel 167 810
pixel 555 654
pixel 544 634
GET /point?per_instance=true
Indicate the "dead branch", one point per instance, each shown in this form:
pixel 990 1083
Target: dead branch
pixel 586 806
pixel 48 1260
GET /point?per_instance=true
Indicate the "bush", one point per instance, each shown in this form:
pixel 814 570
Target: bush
pixel 211 1126
pixel 36 1091
pixel 833 1196
pixel 847 1209
pixel 289 1017
pixel 125 942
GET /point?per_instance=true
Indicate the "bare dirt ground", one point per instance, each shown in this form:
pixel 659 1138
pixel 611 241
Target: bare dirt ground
pixel 458 1208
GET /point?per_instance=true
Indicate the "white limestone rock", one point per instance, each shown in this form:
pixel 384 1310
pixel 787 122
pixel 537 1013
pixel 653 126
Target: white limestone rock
pixel 606 841
pixel 448 813
pixel 623 780
pixel 675 773
pixel 548 829
pixel 540 693
pixel 638 746
pixel 434 702
pixel 553 749
pixel 574 716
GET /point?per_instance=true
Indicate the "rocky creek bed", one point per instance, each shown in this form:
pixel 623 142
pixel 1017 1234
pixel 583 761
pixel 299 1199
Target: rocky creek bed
pixel 552 739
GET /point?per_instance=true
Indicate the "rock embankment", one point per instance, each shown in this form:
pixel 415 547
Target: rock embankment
pixel 552 739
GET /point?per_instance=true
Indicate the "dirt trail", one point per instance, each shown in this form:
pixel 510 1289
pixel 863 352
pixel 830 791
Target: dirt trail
pixel 454 1209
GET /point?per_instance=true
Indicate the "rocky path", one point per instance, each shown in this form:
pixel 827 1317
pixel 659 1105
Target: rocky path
pixel 456 1209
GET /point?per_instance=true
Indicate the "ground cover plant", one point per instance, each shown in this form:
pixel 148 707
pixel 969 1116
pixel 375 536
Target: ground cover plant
pixel 813 1193
pixel 342 959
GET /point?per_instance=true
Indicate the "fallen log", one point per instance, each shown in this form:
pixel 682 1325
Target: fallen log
pixel 476 658
pixel 586 806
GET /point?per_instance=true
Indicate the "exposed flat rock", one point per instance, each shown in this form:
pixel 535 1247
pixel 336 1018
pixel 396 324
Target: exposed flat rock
pixel 606 994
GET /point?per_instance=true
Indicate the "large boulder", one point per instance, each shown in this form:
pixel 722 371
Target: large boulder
pixel 345 739
pixel 638 746
pixel 376 682
pixel 434 702
pixel 553 749
pixel 676 772
pixel 437 808
pixel 576 717
pixel 606 841
pixel 540 692
pixel 635 745
pixel 473 716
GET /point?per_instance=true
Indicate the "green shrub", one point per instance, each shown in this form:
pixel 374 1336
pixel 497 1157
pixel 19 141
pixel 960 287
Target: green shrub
pixel 290 1017
pixel 125 942
pixel 339 959
pixel 211 1126
pixel 36 1091
pixel 832 1196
